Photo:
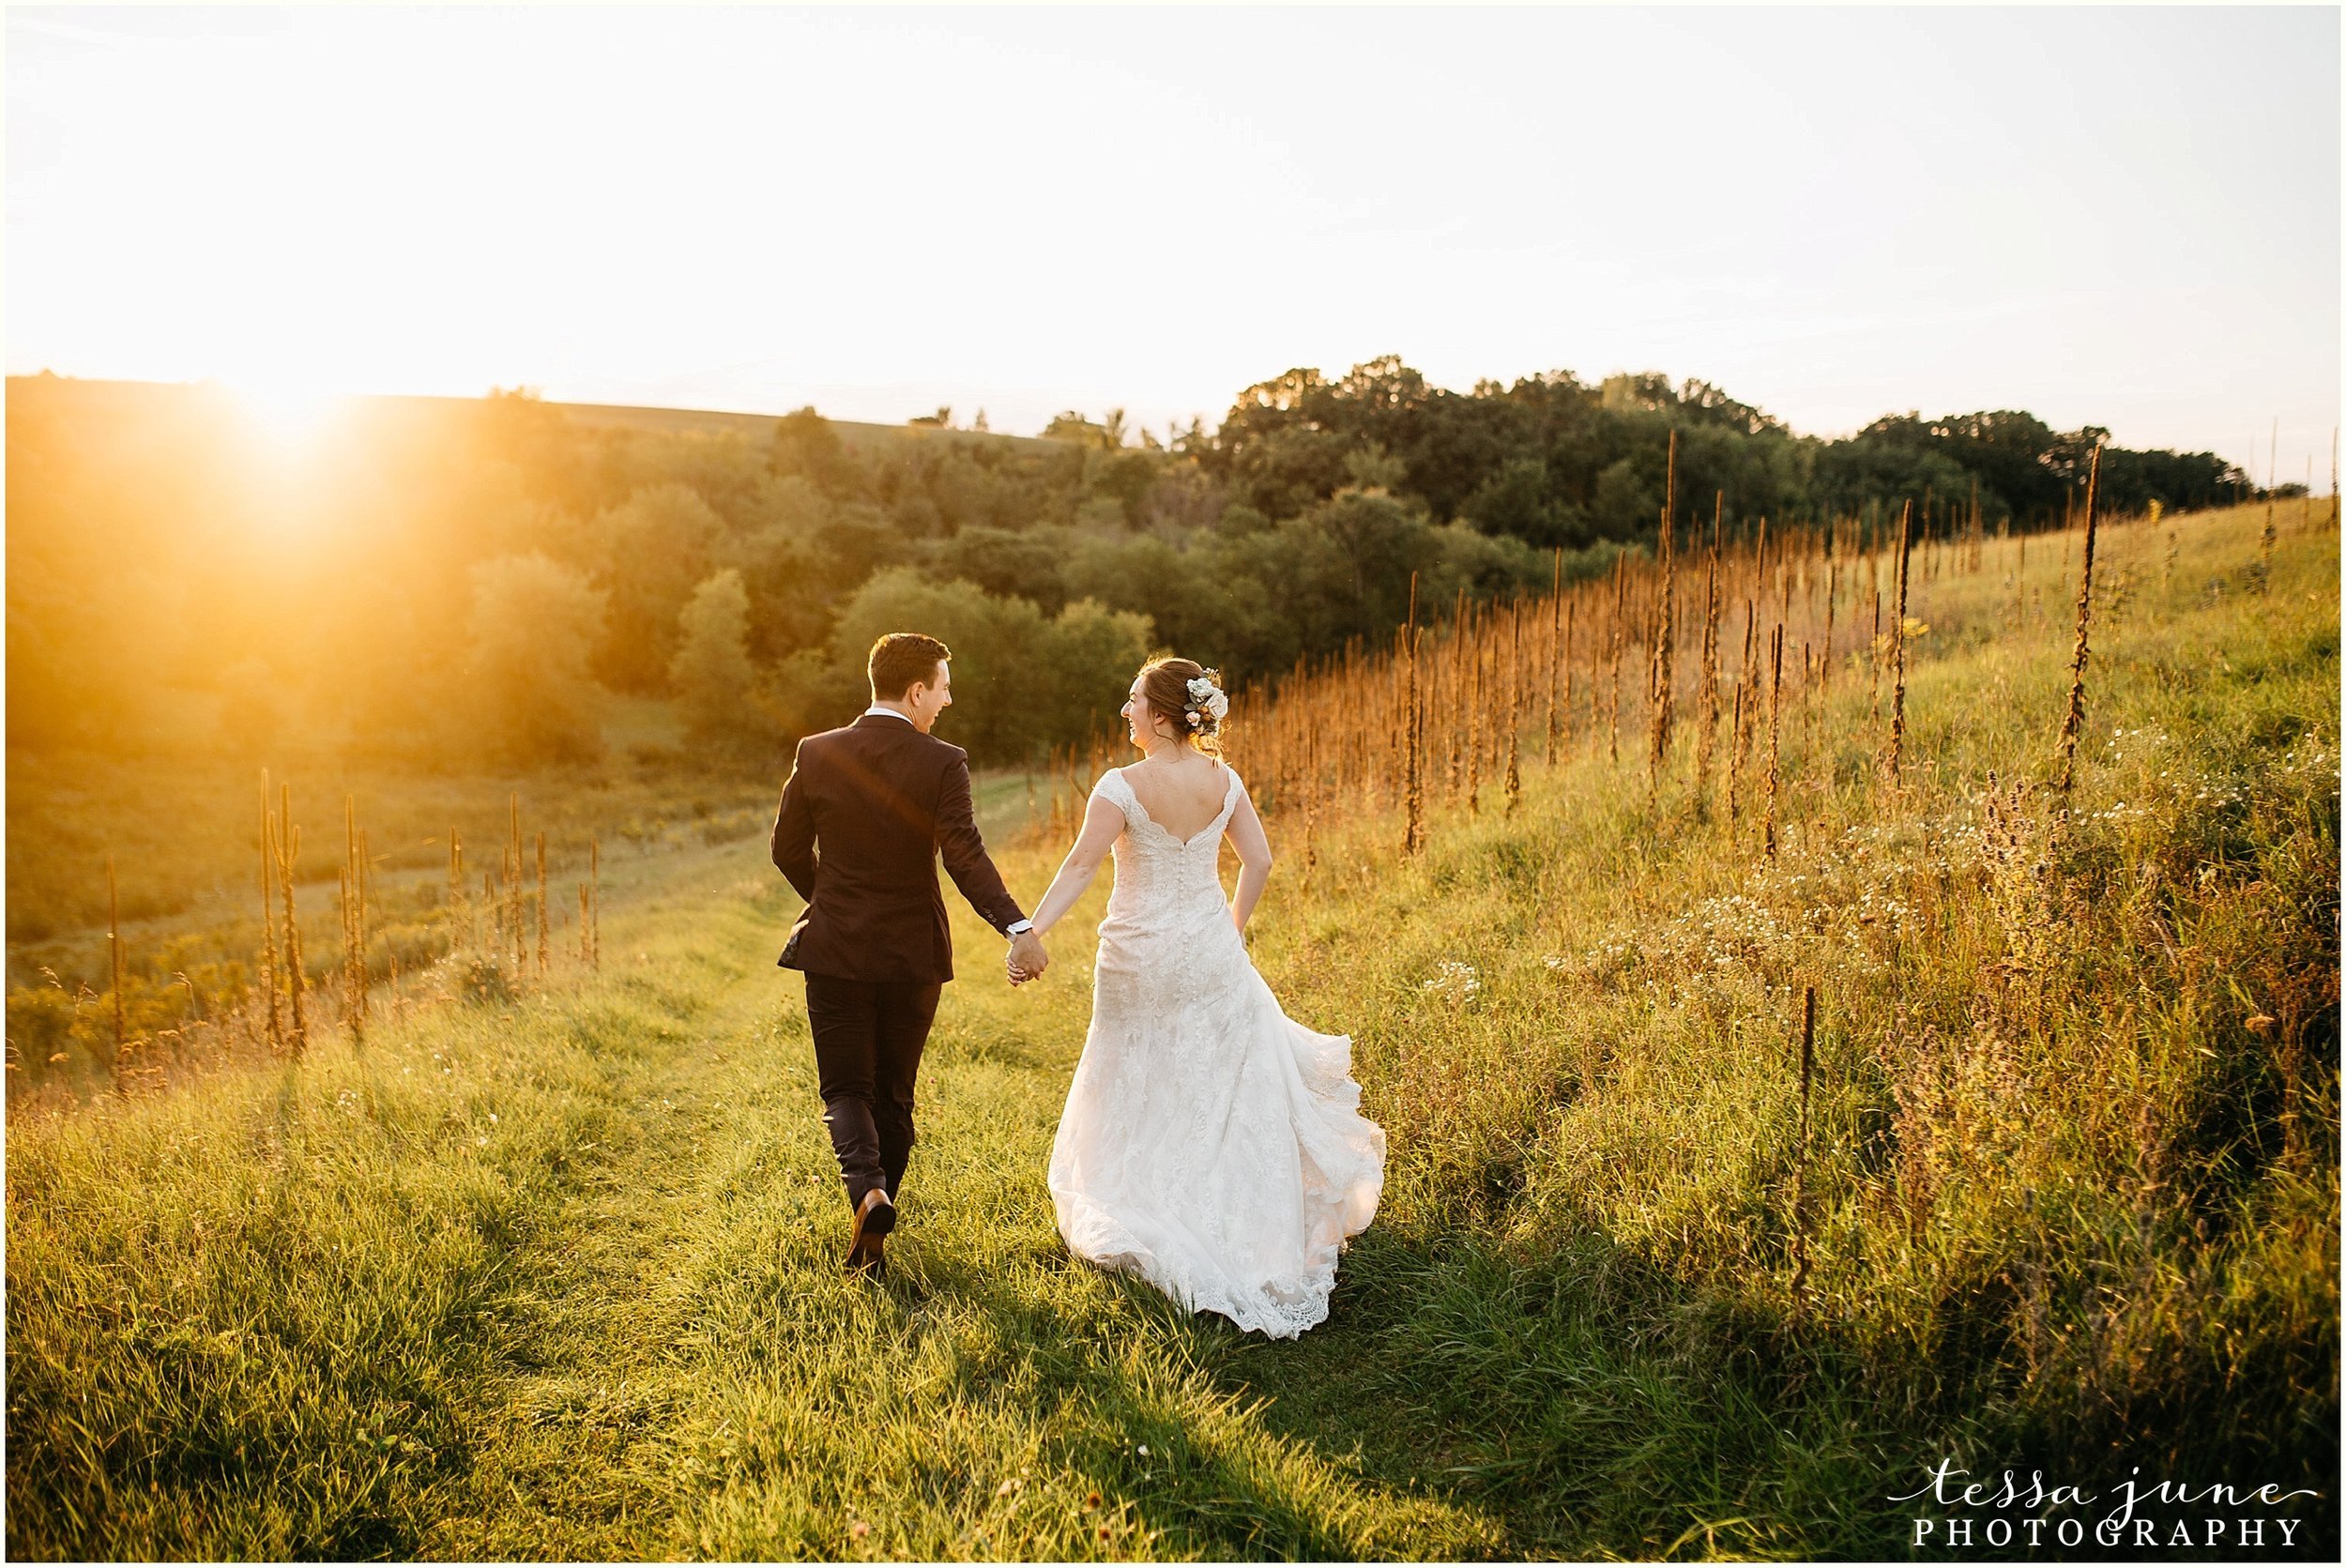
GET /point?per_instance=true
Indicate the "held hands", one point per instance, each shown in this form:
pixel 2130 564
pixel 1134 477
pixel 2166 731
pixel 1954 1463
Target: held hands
pixel 1027 958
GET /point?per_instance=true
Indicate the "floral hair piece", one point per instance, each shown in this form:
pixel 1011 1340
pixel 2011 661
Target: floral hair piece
pixel 1204 693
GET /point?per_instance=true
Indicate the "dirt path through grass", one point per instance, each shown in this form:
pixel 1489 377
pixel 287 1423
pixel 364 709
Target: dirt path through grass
pixel 681 1369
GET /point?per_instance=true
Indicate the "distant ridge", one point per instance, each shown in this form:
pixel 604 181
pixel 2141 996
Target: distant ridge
pixel 607 415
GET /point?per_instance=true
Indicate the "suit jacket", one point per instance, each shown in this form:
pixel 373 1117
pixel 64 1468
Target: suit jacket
pixel 866 814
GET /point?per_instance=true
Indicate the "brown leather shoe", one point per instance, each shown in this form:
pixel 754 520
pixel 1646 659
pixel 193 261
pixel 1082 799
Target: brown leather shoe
pixel 874 1217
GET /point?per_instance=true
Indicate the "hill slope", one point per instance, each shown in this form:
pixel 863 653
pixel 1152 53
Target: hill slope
pixel 97 398
pixel 559 1277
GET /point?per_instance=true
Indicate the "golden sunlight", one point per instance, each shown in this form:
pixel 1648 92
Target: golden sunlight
pixel 289 413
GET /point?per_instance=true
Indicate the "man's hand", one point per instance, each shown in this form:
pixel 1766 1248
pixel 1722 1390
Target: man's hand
pixel 1027 958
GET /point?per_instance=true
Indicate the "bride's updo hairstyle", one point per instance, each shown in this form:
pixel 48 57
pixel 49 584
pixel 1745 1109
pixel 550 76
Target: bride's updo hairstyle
pixel 1166 684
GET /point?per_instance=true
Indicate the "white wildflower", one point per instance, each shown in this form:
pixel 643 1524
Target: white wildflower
pixel 1453 981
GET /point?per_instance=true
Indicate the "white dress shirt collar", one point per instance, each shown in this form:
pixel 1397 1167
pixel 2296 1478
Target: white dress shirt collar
pixel 891 713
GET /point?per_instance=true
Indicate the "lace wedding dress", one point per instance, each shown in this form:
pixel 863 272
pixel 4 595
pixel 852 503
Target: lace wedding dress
pixel 1210 1144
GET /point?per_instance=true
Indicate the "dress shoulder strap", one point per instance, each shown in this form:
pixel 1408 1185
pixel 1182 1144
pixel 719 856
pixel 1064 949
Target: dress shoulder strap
pixel 1115 789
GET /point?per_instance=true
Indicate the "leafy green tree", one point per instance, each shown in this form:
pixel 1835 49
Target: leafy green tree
pixel 805 445
pixel 1127 476
pixel 1183 589
pixel 1005 564
pixel 715 683
pixel 1356 552
pixel 2177 480
pixel 790 605
pixel 649 552
pixel 1021 681
pixel 1700 403
pixel 1488 566
pixel 1292 469
pixel 812 691
pixel 1516 501
pixel 856 540
pixel 1238 520
pixel 1880 474
pixel 993 641
pixel 534 625
pixel 1624 504
pixel 1072 426
pixel 1085 665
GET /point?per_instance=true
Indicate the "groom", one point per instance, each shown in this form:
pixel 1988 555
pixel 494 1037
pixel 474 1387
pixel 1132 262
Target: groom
pixel 867 812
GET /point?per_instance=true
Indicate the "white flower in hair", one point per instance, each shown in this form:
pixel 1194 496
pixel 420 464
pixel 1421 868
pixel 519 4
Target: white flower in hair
pixel 1218 706
pixel 1200 688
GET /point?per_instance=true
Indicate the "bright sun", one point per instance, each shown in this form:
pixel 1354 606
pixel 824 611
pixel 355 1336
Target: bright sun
pixel 288 414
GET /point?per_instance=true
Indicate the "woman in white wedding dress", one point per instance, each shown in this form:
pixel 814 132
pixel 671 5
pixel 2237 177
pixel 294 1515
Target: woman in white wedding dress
pixel 1210 1144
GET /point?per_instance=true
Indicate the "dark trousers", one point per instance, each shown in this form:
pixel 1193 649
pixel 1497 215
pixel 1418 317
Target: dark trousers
pixel 868 1036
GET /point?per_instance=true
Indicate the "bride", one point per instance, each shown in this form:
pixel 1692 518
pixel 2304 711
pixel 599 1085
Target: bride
pixel 1210 1144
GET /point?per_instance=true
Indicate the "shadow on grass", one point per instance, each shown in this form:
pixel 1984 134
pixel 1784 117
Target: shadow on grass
pixel 1141 1375
pixel 1590 1403
pixel 1599 1403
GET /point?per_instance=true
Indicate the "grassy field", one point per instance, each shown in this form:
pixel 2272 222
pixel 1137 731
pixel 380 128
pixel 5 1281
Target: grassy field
pixel 182 828
pixel 559 1277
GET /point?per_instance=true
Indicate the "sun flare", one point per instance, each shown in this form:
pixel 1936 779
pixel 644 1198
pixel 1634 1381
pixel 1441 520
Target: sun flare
pixel 288 413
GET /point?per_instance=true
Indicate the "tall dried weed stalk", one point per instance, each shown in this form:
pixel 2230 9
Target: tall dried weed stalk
pixel 2073 720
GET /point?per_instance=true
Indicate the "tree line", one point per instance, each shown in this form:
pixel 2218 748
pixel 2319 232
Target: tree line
pixel 447 579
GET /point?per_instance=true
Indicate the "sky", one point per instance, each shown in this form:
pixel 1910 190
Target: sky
pixel 2125 217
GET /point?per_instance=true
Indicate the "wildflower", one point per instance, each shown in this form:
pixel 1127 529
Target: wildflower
pixel 1453 981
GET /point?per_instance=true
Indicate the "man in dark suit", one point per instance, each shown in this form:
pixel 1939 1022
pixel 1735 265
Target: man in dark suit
pixel 866 815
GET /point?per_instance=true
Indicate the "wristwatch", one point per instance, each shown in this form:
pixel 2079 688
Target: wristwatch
pixel 1017 928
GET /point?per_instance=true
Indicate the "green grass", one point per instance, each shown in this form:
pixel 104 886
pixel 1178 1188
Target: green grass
pixel 560 1279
